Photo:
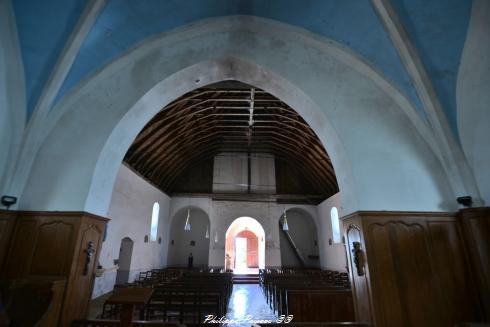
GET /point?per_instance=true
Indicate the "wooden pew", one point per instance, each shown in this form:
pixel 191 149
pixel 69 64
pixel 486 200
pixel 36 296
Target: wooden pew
pixel 116 323
pixel 183 305
pixel 317 324
pixel 281 301
pixel 309 295
pixel 180 295
pixel 320 305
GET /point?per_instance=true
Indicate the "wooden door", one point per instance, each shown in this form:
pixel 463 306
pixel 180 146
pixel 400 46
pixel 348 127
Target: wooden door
pixel 252 252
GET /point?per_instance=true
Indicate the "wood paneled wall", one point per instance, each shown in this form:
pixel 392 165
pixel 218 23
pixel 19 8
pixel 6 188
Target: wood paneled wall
pixel 476 228
pixel 7 221
pixel 55 244
pixel 412 270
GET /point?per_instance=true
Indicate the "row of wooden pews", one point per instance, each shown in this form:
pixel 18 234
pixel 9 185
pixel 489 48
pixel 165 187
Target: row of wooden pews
pixel 115 323
pixel 309 295
pixel 178 296
pixel 315 324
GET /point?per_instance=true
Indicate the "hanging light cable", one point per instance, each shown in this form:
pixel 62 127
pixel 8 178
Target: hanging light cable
pixel 285 226
pixel 209 216
pixel 187 223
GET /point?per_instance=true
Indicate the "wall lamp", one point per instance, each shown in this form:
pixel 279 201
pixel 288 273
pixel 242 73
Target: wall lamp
pixel 8 200
pixel 466 201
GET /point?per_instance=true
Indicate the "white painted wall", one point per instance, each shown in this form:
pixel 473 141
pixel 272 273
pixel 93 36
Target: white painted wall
pixel 223 213
pixel 331 256
pixel 370 130
pixel 303 231
pixel 473 96
pixel 130 213
pixel 178 252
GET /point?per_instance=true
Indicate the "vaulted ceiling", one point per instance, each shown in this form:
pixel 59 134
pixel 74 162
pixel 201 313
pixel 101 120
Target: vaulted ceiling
pixel 228 117
pixel 437 28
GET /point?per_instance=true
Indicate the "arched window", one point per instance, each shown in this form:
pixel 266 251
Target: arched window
pixel 154 221
pixel 334 217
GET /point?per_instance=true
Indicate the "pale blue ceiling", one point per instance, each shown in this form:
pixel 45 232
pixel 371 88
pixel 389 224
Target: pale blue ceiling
pixel 43 28
pixel 437 29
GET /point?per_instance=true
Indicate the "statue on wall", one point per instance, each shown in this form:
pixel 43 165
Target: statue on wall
pixel 89 254
pixel 359 258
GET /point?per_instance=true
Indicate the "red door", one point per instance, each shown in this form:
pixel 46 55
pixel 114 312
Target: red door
pixel 252 248
pixel 252 252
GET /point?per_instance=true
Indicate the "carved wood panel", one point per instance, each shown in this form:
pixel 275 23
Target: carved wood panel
pixel 476 226
pixel 48 245
pixel 54 240
pixel 402 282
pixel 81 280
pixel 417 270
pixel 359 283
pixel 21 248
pixel 7 221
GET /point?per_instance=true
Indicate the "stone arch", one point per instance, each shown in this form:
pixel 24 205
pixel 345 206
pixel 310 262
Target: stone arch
pixel 304 232
pixel 370 130
pixel 124 260
pixel 182 242
pixel 239 225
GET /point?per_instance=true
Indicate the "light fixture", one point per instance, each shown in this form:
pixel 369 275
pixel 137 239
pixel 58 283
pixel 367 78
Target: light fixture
pixel 466 201
pixel 187 223
pixel 216 237
pixel 285 226
pixel 251 109
pixel 207 232
pixel 8 200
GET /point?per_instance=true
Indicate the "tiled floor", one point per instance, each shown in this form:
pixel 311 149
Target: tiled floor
pixel 246 271
pixel 248 302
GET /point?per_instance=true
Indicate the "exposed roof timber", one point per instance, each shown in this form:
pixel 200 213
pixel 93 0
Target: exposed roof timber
pixel 304 153
pixel 182 160
pixel 211 120
pixel 163 146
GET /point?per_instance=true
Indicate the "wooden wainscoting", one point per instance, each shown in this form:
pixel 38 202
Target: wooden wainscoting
pixel 416 270
pixel 476 227
pixel 55 244
pixel 7 222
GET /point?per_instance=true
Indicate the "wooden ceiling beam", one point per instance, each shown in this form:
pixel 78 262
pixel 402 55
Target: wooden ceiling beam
pixel 206 121
pixel 179 161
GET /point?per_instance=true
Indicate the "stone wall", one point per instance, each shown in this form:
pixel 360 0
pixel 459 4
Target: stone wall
pixel 130 213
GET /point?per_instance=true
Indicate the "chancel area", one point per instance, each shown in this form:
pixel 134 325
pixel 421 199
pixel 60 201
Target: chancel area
pixel 242 163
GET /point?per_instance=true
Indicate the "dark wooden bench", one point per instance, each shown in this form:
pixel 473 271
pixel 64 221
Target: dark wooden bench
pixel 317 324
pixel 179 295
pixel 320 305
pixel 309 295
pixel 117 323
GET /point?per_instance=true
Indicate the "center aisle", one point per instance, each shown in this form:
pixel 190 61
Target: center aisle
pixel 248 302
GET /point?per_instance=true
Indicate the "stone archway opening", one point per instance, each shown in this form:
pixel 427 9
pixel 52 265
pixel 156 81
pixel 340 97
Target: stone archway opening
pixel 193 241
pixel 124 260
pixel 245 246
